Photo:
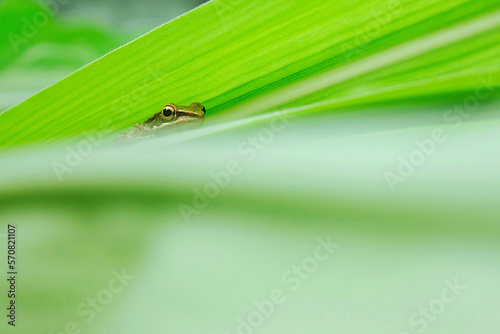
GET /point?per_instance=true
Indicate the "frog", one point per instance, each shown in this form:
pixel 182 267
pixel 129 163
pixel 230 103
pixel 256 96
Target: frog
pixel 171 119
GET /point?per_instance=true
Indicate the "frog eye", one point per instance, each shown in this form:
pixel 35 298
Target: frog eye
pixel 168 112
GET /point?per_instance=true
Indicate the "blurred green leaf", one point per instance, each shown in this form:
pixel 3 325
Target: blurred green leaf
pixel 28 24
pixel 85 208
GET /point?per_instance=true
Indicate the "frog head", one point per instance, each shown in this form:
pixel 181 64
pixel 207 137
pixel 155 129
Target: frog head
pixel 171 119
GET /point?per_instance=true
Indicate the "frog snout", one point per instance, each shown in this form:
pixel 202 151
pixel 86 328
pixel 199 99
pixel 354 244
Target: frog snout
pixel 198 106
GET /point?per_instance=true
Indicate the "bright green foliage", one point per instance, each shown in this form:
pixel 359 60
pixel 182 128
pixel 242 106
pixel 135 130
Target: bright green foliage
pixel 398 165
pixel 227 52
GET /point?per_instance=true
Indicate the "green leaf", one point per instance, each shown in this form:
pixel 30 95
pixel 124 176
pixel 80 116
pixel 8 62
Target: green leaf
pixel 361 87
pixel 229 52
